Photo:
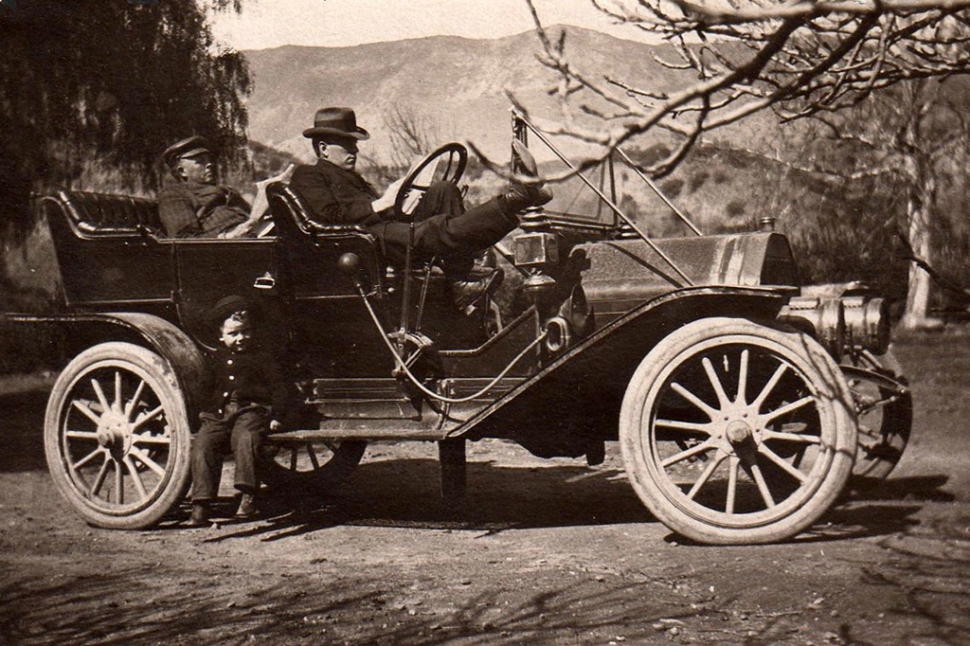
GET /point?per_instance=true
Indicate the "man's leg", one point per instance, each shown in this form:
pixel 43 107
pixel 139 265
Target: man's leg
pixel 441 198
pixel 444 235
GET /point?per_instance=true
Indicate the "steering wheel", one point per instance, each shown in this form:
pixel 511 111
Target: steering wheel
pixel 425 173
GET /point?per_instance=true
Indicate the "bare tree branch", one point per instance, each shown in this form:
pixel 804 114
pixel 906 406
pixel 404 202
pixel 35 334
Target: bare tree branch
pixel 800 58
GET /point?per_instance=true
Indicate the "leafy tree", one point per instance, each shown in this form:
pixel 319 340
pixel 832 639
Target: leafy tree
pixel 109 84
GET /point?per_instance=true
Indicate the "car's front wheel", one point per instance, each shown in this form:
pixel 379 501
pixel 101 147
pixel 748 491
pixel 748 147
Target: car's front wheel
pixel 117 436
pixel 735 432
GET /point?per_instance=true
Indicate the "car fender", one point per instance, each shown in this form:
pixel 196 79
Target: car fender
pixel 603 363
pixel 70 334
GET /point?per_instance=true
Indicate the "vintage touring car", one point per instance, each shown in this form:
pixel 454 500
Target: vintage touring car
pixel 741 402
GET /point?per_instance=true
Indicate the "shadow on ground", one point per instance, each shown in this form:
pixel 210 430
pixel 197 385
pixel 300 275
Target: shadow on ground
pixel 22 438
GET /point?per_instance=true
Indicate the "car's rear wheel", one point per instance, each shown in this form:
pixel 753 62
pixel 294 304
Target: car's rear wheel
pixel 734 432
pixel 884 408
pixel 117 437
pixel 310 464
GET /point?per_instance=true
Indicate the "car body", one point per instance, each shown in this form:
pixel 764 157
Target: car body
pixel 719 376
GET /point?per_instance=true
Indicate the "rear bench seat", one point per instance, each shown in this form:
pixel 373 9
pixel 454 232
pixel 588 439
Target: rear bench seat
pixel 100 214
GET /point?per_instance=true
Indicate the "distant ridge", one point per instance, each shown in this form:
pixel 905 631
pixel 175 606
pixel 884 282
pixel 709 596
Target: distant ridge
pixel 458 82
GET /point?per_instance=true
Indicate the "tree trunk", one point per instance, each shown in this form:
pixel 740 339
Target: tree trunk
pixel 916 314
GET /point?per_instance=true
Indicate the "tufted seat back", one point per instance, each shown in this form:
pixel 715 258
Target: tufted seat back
pixel 285 200
pixel 103 214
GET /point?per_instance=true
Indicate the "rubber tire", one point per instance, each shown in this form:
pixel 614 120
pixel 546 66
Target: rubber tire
pixel 158 374
pixel 656 491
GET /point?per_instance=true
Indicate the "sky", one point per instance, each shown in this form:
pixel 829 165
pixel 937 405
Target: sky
pixel 340 23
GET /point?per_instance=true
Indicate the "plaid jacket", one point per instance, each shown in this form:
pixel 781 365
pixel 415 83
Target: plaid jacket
pixel 190 209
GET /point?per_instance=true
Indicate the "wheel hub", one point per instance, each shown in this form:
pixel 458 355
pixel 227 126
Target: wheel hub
pixel 114 432
pixel 738 432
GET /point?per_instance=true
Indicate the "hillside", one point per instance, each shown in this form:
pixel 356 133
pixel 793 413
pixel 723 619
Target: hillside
pixel 460 83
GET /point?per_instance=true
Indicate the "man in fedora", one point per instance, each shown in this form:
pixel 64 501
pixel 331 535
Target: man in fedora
pixel 336 194
pixel 195 206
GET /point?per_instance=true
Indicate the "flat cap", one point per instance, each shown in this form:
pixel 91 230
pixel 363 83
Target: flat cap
pixel 189 147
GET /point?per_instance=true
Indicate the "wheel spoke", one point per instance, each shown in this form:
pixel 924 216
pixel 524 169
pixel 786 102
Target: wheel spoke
pixel 100 394
pixel 147 461
pixel 787 408
pixel 871 433
pixel 732 487
pixel 87 458
pixel 117 402
pixel 782 463
pixel 706 475
pixel 759 480
pixel 146 417
pixel 722 397
pixel 82 435
pixel 130 406
pixel 293 457
pixel 693 399
pixel 83 407
pixel 877 404
pixel 706 445
pixel 148 438
pixel 313 456
pixel 702 427
pixel 743 377
pixel 99 479
pixel 136 478
pixel 791 437
pixel 775 378
pixel 119 483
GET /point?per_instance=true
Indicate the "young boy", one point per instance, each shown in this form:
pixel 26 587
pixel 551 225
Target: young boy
pixel 248 398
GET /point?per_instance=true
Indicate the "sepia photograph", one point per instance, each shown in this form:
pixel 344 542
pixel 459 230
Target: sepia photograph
pixel 454 322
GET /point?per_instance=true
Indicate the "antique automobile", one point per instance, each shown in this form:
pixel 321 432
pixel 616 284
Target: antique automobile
pixel 739 400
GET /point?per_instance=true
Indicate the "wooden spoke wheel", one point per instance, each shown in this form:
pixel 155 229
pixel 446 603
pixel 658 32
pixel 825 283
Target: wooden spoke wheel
pixel 310 464
pixel 734 432
pixel 117 437
pixel 884 408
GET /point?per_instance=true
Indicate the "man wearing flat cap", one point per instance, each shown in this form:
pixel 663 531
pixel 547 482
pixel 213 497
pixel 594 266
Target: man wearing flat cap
pixel 336 194
pixel 195 206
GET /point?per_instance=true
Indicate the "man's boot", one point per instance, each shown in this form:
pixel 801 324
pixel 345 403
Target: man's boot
pixel 521 195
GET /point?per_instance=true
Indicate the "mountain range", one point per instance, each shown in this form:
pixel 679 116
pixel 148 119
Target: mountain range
pixel 457 86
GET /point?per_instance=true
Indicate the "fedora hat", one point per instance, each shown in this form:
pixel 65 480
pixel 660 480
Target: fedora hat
pixel 336 121
pixel 189 147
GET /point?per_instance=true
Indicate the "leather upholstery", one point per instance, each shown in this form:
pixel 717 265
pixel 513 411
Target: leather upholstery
pixel 103 214
pixel 282 197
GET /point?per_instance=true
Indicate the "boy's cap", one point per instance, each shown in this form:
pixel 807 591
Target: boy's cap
pixel 226 306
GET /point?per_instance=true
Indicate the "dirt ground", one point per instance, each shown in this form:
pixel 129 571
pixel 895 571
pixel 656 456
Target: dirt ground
pixel 544 552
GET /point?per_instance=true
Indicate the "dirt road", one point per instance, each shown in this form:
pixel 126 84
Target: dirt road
pixel 545 552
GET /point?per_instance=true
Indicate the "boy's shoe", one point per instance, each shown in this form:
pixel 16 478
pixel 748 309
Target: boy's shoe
pixel 199 516
pixel 247 507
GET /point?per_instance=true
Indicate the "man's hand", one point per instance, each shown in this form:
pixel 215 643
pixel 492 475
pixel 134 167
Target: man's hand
pixel 386 201
pixel 260 207
pixel 275 426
